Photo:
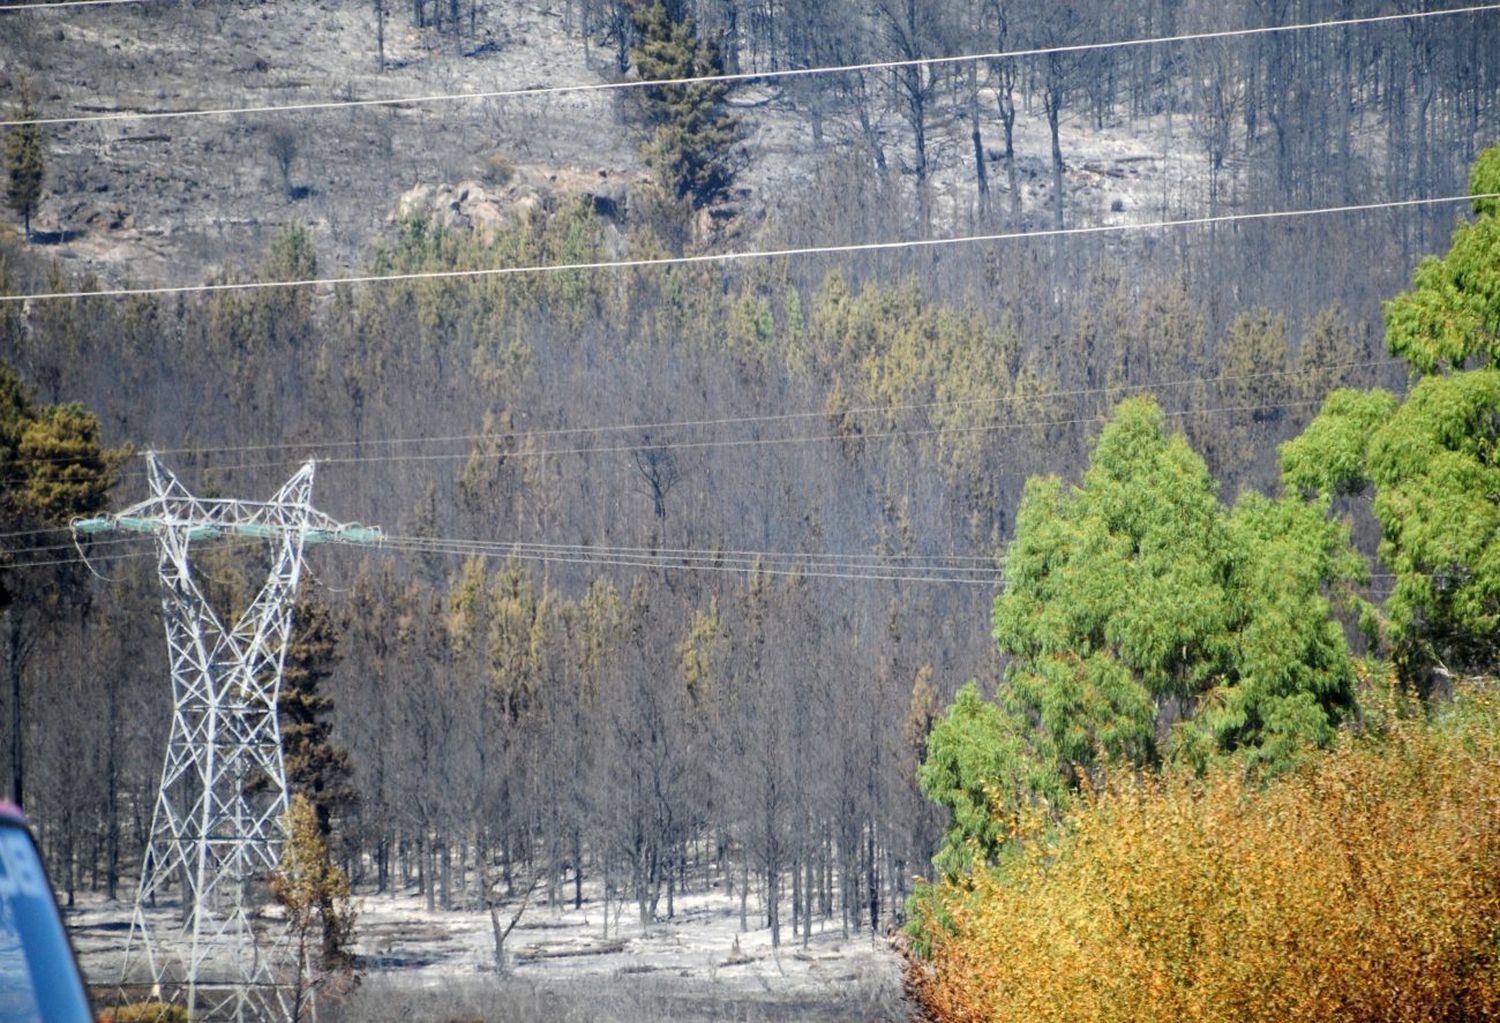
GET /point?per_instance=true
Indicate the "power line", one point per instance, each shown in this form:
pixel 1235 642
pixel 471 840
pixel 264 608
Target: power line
pixel 500 546
pixel 851 438
pixel 514 436
pixel 583 555
pixel 731 257
pixel 44 6
pixel 16 566
pixel 739 76
pixel 761 441
pixel 736 569
pixel 755 442
pixel 679 424
pixel 860 437
pixel 946 562
pixel 909 563
pixel 102 542
pixel 239 541
pixel 827 565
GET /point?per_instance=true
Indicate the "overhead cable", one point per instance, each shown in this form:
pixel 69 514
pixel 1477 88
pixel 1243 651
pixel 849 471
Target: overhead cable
pixel 515 436
pixel 747 76
pixel 49 5
pixel 853 437
pixel 733 257
pixel 848 437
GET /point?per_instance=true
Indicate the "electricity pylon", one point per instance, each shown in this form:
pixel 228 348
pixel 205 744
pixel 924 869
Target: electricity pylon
pixel 217 827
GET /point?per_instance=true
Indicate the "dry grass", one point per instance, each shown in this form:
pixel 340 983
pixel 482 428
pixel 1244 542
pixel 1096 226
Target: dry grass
pixel 1364 887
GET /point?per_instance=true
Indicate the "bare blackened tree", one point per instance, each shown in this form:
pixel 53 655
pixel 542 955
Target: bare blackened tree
pixel 1004 74
pixel 379 6
pixel 1057 24
pixel 1216 105
pixel 658 469
pixel 909 31
pixel 283 144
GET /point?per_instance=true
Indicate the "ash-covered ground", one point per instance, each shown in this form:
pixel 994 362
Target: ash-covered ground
pixel 439 965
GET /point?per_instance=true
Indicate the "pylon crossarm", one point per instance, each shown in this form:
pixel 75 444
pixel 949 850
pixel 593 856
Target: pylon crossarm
pixel 314 532
pixel 171 509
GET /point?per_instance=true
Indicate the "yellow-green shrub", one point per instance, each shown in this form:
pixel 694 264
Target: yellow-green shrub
pixel 145 1012
pixel 1364 886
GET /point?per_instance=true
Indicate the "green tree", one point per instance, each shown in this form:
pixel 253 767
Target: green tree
pixel 1450 317
pixel 53 469
pixel 1331 345
pixel 1332 455
pixel 314 893
pixel 978 769
pixel 1431 459
pixel 1145 621
pixel 692 148
pixel 23 158
pixel 316 766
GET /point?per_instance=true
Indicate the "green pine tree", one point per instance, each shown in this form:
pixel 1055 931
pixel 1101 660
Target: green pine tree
pixel 692 150
pixel 23 158
pixel 316 766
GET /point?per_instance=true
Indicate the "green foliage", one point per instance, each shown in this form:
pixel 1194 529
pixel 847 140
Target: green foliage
pixel 1451 315
pixel 977 770
pixel 316 766
pixel 889 347
pixel 517 630
pixel 1135 596
pixel 489 320
pixel 292 256
pixel 1330 343
pixel 1433 461
pixel 1290 679
pixel 601 630
pixel 23 158
pixel 68 472
pixel 1255 359
pixel 700 654
pixel 53 466
pixel 1436 468
pixel 1331 455
pixel 692 148
pixel 1114 596
pixel 1484 180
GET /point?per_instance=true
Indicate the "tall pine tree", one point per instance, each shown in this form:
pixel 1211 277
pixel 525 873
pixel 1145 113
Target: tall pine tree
pixel 317 769
pixel 23 158
pixel 692 150
pixel 315 765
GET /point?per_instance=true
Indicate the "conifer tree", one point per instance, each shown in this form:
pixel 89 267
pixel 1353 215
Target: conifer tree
pixel 315 766
pixel 692 149
pixel 23 159
pixel 52 469
pixel 317 769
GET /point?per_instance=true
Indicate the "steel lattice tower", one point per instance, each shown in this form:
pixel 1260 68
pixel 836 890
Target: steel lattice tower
pixel 217 827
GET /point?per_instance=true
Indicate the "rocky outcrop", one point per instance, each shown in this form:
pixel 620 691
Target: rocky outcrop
pixel 524 192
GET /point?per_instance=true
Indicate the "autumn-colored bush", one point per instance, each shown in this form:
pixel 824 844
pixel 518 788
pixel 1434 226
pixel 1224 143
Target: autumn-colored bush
pixel 145 1012
pixel 1363 886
